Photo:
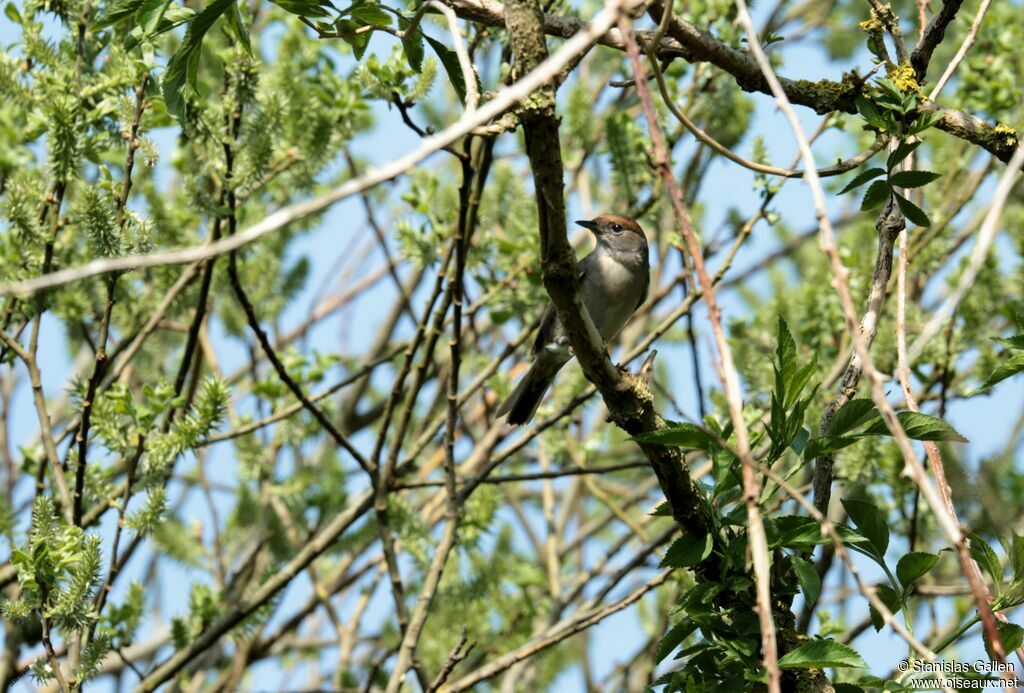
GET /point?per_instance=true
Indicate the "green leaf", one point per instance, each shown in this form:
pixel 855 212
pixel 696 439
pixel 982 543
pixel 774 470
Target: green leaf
pixel 807 575
pixel 913 179
pixel 985 557
pixel 116 11
pixel 305 8
pixel 819 654
pixel 877 193
pixel 1014 342
pixel 412 45
pixel 237 28
pixel 450 61
pixel 372 14
pixel 863 178
pixel 182 69
pixel 671 640
pixel 870 521
pixel 917 426
pixel 851 416
pixel 1016 553
pixel 1012 366
pixel 1010 635
pixel 11 10
pixel 891 599
pixel 359 42
pixel 901 152
pixel 663 510
pixel 796 532
pixel 914 213
pixel 913 566
pixel 870 113
pixel 684 435
pixel 926 121
pixel 816 447
pixel 687 551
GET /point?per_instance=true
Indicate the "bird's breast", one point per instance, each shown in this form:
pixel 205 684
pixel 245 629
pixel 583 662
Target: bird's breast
pixel 611 291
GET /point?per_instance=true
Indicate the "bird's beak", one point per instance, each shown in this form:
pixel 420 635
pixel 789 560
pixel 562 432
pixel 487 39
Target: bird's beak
pixel 592 225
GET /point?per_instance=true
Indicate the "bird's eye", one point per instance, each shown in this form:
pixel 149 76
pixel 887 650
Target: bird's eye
pixel 617 228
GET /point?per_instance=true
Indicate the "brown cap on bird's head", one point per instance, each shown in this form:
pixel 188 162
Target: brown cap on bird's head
pixel 613 222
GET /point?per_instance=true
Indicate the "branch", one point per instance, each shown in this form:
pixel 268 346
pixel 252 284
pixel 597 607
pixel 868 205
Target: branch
pixel 695 45
pixel 888 225
pixel 247 605
pixel 555 635
pixel 972 34
pixel 629 401
pixel 979 254
pixel 933 35
pixel 757 540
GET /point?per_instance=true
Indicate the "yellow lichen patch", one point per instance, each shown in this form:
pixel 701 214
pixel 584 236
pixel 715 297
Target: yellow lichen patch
pixel 869 25
pixel 903 76
pixel 1006 132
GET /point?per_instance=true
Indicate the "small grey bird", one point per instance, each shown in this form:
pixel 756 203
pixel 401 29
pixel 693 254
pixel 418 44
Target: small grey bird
pixel 614 280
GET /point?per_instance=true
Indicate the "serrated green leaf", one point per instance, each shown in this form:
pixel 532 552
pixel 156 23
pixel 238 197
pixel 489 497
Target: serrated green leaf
pixel 1010 635
pixel 671 640
pixel 1016 554
pixel 116 11
pixel 796 532
pixel 816 447
pixel 182 69
pixel 985 557
pixel 913 179
pixel 901 152
pixel 870 113
pixel 852 416
pixel 807 576
pixel 876 194
pixel 234 21
pixel 1012 366
pixel 1014 342
pixel 917 426
pixel 663 510
pixel 687 551
pixel 913 566
pixel 819 654
pixel 863 178
pixel 870 522
pixel 914 213
pixel 890 598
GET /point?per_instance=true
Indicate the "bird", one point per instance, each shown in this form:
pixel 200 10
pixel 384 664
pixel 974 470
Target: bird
pixel 614 279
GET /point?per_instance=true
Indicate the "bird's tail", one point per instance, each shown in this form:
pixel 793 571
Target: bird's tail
pixel 524 400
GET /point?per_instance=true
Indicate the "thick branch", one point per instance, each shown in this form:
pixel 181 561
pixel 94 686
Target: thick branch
pixel 630 403
pixel 933 35
pixel 684 40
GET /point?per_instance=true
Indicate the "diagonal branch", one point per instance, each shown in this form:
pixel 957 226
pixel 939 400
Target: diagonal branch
pixel 757 539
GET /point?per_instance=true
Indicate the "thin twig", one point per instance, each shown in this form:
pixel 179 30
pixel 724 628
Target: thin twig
pixel 757 539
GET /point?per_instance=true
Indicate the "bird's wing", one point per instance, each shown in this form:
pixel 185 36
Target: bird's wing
pixel 643 294
pixel 550 316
